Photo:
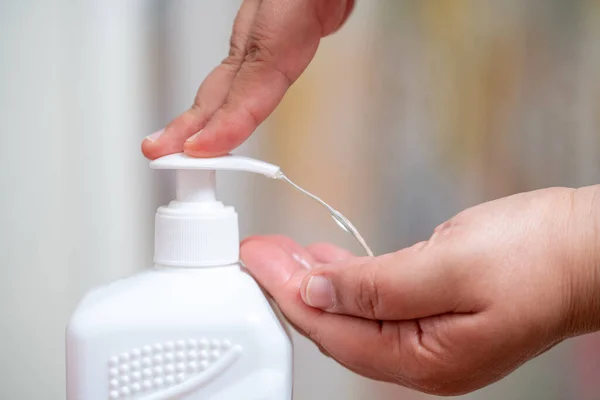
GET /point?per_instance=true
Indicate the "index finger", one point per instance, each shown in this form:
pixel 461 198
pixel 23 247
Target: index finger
pixel 282 42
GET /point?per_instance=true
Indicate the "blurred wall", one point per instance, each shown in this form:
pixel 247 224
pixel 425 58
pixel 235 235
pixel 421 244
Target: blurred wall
pixel 416 109
pixel 76 92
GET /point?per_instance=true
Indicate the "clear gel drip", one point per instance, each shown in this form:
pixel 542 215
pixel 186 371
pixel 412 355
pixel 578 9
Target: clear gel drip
pixel 337 216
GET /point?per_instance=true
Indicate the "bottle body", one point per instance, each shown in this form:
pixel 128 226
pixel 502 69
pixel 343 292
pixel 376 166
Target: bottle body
pixel 183 333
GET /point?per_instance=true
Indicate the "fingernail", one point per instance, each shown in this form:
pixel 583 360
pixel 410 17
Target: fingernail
pixel 154 137
pixel 319 293
pixel 194 136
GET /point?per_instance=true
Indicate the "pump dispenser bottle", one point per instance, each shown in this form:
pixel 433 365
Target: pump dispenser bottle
pixel 194 327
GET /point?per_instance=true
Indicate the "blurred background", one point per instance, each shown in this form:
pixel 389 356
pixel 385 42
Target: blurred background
pixel 414 111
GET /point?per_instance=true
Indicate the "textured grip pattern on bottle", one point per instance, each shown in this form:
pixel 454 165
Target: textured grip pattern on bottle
pixel 165 370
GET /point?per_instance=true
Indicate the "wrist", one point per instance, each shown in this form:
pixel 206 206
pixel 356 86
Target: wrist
pixel 583 261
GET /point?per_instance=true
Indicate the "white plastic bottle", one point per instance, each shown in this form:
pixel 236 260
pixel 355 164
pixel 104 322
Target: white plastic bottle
pixel 194 327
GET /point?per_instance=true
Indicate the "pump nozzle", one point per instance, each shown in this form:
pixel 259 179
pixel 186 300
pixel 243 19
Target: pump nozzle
pixel 229 162
pixel 196 182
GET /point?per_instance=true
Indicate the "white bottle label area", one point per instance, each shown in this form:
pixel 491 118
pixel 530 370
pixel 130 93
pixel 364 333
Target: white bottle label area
pixel 179 333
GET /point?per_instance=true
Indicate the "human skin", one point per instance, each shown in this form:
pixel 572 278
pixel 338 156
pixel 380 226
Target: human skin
pixel 493 287
pixel 272 42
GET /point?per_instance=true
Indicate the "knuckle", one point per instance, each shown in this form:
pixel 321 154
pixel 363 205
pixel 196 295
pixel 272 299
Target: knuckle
pixel 259 54
pixel 259 46
pixel 449 232
pixel 368 297
pixel 444 227
pixel 237 51
pixel 447 228
pixel 236 48
pixel 231 62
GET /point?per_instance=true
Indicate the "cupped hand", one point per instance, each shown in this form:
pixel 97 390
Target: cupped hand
pixel 492 288
pixel 272 42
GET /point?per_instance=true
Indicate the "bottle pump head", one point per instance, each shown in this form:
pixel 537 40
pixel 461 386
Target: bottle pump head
pixel 196 230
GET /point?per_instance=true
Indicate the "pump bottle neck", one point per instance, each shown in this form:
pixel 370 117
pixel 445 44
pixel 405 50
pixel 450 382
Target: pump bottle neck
pixel 195 186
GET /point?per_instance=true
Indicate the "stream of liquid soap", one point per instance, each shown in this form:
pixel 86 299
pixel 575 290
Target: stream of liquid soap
pixel 337 216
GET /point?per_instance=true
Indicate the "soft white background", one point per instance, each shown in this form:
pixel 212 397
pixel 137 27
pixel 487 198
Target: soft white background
pixel 81 83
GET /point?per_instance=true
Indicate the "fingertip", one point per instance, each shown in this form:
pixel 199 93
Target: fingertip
pixel 150 149
pixel 171 139
pixel 146 148
pixel 270 264
pixel 151 145
pixel 153 149
pixel 250 239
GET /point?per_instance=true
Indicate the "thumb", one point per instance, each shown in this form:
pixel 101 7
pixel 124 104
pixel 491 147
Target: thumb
pixel 416 282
